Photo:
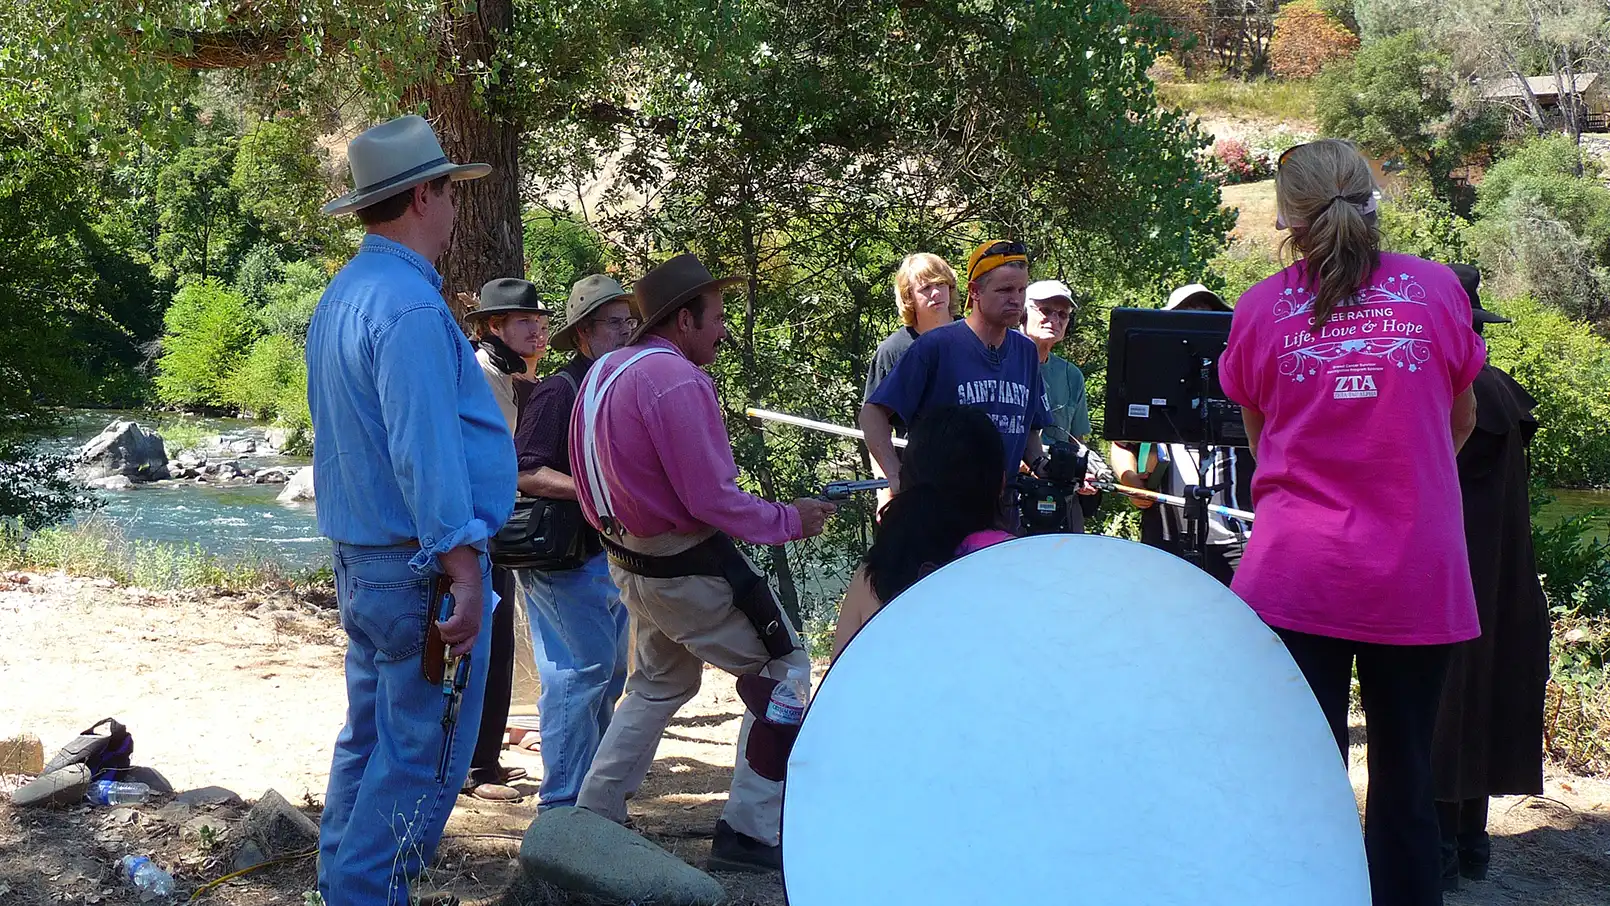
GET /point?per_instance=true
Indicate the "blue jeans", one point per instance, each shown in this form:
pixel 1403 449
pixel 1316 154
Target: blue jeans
pixel 384 810
pixel 579 632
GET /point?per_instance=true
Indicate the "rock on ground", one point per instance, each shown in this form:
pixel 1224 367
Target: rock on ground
pixel 279 828
pixel 300 487
pixel 588 853
pixel 124 448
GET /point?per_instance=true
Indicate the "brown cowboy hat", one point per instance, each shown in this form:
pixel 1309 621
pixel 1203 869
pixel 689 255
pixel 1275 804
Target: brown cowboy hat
pixel 668 287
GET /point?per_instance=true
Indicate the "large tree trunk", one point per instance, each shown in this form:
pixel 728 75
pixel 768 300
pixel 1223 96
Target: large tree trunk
pixel 488 240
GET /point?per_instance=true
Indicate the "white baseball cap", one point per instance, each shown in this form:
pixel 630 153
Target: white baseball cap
pixel 1195 292
pixel 1051 289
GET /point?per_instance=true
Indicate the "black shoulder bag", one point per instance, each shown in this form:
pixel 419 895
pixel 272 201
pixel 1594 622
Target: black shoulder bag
pixel 543 533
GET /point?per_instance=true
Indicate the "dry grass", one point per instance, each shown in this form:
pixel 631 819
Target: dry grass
pixel 1286 102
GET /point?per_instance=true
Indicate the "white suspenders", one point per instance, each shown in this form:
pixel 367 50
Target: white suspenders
pixel 592 397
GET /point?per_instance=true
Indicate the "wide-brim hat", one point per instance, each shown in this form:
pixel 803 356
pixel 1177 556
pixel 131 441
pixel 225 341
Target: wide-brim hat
pixel 1470 279
pixel 1195 292
pixel 392 158
pixel 507 296
pixel 668 287
pixel 587 295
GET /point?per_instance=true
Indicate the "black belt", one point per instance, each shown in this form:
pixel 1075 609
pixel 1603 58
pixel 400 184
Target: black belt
pixel 717 557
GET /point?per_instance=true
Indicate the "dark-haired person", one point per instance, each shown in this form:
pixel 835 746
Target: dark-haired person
pixel 1489 738
pixel 1354 368
pixel 654 472
pixel 948 507
pixel 414 471
pixel 980 361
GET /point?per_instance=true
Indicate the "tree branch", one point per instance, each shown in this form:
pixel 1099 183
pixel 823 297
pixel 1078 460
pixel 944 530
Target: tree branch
pixel 241 49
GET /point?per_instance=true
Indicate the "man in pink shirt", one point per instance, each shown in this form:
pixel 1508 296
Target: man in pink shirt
pixel 655 474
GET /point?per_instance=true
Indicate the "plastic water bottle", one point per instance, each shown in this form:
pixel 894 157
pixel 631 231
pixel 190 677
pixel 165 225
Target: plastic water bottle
pixel 143 875
pixel 110 792
pixel 787 705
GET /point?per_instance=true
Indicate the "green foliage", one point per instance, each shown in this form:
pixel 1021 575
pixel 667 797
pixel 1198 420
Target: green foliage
pixel 36 490
pixel 1396 99
pixel 259 270
pixel 202 229
pixel 1543 227
pixel 1573 562
pixel 1576 731
pixel 75 307
pixel 259 385
pixel 278 180
pixel 1418 223
pixel 292 299
pixel 1566 366
pixel 209 332
pixel 1243 265
pixel 94 547
pixel 561 249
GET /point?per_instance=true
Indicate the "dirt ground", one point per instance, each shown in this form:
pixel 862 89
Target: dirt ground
pixel 245 692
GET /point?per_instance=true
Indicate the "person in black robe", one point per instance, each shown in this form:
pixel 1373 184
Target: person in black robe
pixel 1489 737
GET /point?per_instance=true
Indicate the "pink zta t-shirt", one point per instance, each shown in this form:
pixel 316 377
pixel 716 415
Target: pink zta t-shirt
pixel 1360 533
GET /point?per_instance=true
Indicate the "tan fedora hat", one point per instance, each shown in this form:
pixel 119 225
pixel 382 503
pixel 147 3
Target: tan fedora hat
pixel 392 158
pixel 671 285
pixel 587 295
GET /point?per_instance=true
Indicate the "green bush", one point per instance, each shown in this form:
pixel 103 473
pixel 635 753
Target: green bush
pixel 259 270
pixel 1418 223
pixel 1566 366
pixel 209 333
pixel 1572 561
pixel 561 250
pixel 1242 265
pixel 292 412
pixel 290 301
pixel 259 385
pixel 1543 228
pixel 36 490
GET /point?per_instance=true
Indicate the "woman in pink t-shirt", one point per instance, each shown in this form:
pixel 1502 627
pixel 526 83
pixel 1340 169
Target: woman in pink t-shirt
pixel 1354 369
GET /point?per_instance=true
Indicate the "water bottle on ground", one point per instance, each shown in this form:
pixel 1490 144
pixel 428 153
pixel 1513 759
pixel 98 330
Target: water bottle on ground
pixel 143 875
pixel 110 792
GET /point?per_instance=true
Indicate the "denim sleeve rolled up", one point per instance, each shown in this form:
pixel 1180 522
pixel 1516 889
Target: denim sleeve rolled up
pixel 409 443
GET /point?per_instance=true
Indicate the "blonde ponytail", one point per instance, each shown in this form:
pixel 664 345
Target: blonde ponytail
pixel 1325 190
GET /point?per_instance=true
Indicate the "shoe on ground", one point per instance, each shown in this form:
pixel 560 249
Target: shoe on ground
pixel 732 851
pixel 492 792
pixel 509 775
pixel 1475 854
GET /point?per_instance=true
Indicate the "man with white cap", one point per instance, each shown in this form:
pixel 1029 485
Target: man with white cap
pixel 578 623
pixel 1171 467
pixel 414 470
pixel 1049 311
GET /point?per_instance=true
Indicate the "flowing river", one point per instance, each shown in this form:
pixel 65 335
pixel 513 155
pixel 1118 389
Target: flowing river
pixel 246 522
pixel 234 522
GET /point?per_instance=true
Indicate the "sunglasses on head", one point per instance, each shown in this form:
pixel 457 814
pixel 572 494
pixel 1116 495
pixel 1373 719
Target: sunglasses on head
pixel 1006 248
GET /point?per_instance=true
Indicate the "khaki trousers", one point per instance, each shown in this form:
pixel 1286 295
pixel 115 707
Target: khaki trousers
pixel 678 626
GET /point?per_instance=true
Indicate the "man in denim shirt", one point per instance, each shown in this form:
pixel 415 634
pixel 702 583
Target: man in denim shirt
pixel 413 471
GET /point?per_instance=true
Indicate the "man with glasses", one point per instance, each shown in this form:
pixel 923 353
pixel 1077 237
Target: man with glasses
pixel 578 624
pixel 980 361
pixel 1051 308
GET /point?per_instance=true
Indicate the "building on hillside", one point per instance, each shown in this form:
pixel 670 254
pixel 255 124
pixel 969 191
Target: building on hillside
pixel 1590 94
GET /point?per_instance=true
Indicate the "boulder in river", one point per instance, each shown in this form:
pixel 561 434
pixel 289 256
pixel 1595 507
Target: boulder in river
pixel 277 438
pixel 124 448
pixel 300 487
pixel 112 483
pixel 271 476
pixel 243 446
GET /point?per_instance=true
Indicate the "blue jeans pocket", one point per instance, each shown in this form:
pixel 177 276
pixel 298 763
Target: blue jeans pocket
pixel 388 602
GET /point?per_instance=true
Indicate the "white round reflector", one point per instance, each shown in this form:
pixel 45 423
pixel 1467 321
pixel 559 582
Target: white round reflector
pixel 1068 719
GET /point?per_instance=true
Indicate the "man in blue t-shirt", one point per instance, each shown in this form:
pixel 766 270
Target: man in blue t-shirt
pixel 979 361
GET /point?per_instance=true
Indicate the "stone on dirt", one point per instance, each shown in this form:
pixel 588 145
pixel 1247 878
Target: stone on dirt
pixel 279 828
pixel 587 853
pixel 124 448
pixel 208 795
